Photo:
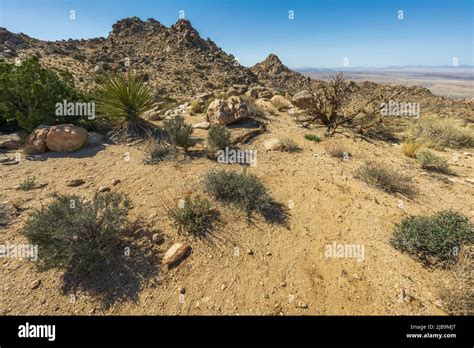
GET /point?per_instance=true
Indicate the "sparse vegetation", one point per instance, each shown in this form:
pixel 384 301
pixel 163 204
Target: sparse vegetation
pixel 410 148
pixel 28 184
pixel 157 151
pixel 219 137
pixel 433 239
pixel 193 215
pixel 385 179
pixel 289 145
pixel 126 99
pixel 78 236
pixel 195 107
pixel 441 132
pixel 243 190
pixel 432 162
pixel 458 296
pixel 338 151
pixel 312 137
pixel 179 133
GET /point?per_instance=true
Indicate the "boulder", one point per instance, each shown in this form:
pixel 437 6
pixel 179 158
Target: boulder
pixel 37 141
pixel 266 105
pixel 10 141
pixel 230 110
pixel 252 93
pixel 303 100
pixel 273 144
pixel 175 253
pixel 66 138
pixel 280 102
pixel 201 125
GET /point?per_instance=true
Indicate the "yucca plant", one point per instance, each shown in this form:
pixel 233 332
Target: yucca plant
pixel 126 98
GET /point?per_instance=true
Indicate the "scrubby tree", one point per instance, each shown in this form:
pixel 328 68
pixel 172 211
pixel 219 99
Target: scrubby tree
pixel 29 93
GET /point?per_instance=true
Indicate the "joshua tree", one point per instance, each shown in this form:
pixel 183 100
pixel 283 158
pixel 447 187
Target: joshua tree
pixel 126 98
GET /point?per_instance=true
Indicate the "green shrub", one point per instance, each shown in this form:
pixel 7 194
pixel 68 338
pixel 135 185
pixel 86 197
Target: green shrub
pixel 79 236
pixel 289 145
pixel 126 98
pixel 243 190
pixel 179 133
pixel 194 216
pixel 157 151
pixel 431 162
pixel 29 93
pixel 312 137
pixel 219 137
pixel 384 178
pixel 433 239
pixel 28 184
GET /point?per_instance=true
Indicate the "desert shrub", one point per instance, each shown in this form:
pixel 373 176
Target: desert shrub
pixel 179 133
pixel 193 215
pixel 157 151
pixel 4 214
pixel 432 162
pixel 312 137
pixel 79 236
pixel 126 99
pixel 29 93
pixel 289 145
pixel 439 133
pixel 433 239
pixel 195 106
pixel 207 103
pixel 411 148
pixel 458 296
pixel 219 137
pixel 384 178
pixel 337 151
pixel 243 190
pixel 28 184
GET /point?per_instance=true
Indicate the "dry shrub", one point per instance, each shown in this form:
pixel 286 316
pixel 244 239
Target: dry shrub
pixel 410 148
pixel 384 178
pixel 441 132
pixel 337 150
pixel 459 296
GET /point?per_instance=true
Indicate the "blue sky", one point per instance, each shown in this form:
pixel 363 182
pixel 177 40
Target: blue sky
pixel 322 33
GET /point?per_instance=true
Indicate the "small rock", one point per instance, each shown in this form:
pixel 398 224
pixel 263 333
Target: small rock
pixel 250 252
pixel 115 182
pixel 74 182
pixel 36 284
pixel 273 144
pixel 201 125
pixel 223 287
pixel 269 253
pixel 10 141
pixel 10 163
pixel 283 284
pixel 175 253
pixel 104 189
pixel 302 305
pixel 182 290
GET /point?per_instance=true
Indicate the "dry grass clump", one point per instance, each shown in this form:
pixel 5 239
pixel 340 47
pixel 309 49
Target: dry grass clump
pixel 289 145
pixel 195 107
pixel 410 148
pixel 459 296
pixel 430 161
pixel 337 151
pixel 193 215
pixel 441 132
pixel 385 179
pixel 157 151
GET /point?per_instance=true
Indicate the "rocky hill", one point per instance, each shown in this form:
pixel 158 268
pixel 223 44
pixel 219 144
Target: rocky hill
pixel 273 73
pixel 174 60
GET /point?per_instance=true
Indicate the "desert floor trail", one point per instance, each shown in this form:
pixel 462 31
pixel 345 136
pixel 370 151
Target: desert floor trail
pixel 257 267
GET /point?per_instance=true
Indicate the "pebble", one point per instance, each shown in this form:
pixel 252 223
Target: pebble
pixel 36 284
pixel 182 290
pixel 104 189
pixel 250 252
pixel 74 182
pixel 157 238
pixel 115 182
pixel 302 305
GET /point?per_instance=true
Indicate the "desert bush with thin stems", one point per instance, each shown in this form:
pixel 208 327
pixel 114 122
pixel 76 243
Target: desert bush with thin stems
pixel 384 178
pixel 430 161
pixel 219 137
pixel 410 148
pixel 193 215
pixel 179 133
